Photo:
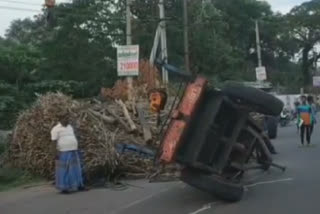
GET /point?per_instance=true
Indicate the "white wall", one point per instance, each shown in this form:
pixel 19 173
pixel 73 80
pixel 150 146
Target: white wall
pixel 288 100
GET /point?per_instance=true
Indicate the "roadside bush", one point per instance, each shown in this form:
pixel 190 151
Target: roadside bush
pixel 73 88
pixel 13 177
pixel 2 147
pixel 11 102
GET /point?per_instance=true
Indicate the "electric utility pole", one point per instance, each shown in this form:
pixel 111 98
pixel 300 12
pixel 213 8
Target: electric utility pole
pixel 129 42
pixel 261 73
pixel 163 35
pixel 186 39
pixel 258 44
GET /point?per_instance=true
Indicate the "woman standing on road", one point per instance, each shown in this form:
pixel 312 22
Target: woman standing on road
pixel 68 166
pixel 305 120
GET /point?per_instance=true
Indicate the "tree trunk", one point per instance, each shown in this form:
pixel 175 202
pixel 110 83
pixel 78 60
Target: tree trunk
pixel 306 65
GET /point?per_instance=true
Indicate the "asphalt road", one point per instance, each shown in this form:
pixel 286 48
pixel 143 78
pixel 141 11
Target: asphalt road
pixel 295 191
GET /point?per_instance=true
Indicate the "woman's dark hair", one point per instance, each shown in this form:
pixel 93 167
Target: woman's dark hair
pixel 310 99
pixel 64 119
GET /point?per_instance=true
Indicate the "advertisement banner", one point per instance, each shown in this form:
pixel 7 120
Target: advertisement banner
pixel 128 60
pixel 316 81
pixel 261 73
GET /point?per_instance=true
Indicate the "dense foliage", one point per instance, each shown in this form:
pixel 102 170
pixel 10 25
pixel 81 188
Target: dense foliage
pixel 72 47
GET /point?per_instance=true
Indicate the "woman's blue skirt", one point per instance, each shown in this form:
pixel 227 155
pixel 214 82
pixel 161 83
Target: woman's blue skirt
pixel 69 171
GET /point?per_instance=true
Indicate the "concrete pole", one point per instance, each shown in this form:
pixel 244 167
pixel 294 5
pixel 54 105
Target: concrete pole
pixel 258 44
pixel 129 42
pixel 156 41
pixel 186 38
pixel 163 35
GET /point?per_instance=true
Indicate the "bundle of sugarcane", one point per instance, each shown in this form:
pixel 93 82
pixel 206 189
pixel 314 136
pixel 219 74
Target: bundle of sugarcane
pixel 99 126
pixel 32 149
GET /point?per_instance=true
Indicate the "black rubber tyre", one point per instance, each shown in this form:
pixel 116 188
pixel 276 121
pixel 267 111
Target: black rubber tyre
pixel 256 99
pixel 269 144
pixel 272 125
pixel 212 184
pixel 264 156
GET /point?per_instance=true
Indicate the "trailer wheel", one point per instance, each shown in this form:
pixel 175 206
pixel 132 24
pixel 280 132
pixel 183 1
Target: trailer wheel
pixel 256 99
pixel 213 184
pixel 272 127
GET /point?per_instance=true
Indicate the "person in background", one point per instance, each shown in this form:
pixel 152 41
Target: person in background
pixel 305 120
pixel 68 172
pixel 266 138
pixel 314 111
pixel 295 115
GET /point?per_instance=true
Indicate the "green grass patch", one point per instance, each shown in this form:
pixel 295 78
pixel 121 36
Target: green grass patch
pixel 3 148
pixel 11 178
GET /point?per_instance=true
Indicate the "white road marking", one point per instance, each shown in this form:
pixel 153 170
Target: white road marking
pixel 139 201
pixel 268 182
pixel 205 207
pixel 257 177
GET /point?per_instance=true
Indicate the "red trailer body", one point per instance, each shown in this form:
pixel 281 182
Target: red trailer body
pixel 181 119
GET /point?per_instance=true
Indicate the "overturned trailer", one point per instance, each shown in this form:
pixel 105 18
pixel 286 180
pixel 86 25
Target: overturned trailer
pixel 212 135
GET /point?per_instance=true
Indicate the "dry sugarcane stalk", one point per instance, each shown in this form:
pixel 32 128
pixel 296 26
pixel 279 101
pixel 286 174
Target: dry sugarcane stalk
pixel 166 177
pixel 105 118
pixel 118 119
pixel 132 125
pixel 136 175
pixel 133 104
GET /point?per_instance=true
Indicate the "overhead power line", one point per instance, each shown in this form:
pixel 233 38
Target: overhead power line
pixel 20 2
pixel 20 9
pixel 76 14
pixel 84 15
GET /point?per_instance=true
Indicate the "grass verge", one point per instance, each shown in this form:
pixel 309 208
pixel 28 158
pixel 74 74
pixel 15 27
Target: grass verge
pixel 11 178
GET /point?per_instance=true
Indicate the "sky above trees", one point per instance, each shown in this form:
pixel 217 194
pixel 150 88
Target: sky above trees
pixel 15 9
pixel 284 6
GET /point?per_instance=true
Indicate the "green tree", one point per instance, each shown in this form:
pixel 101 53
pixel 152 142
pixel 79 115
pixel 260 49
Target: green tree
pixel 223 37
pixel 304 30
pixel 81 45
pixel 78 43
pixel 18 62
